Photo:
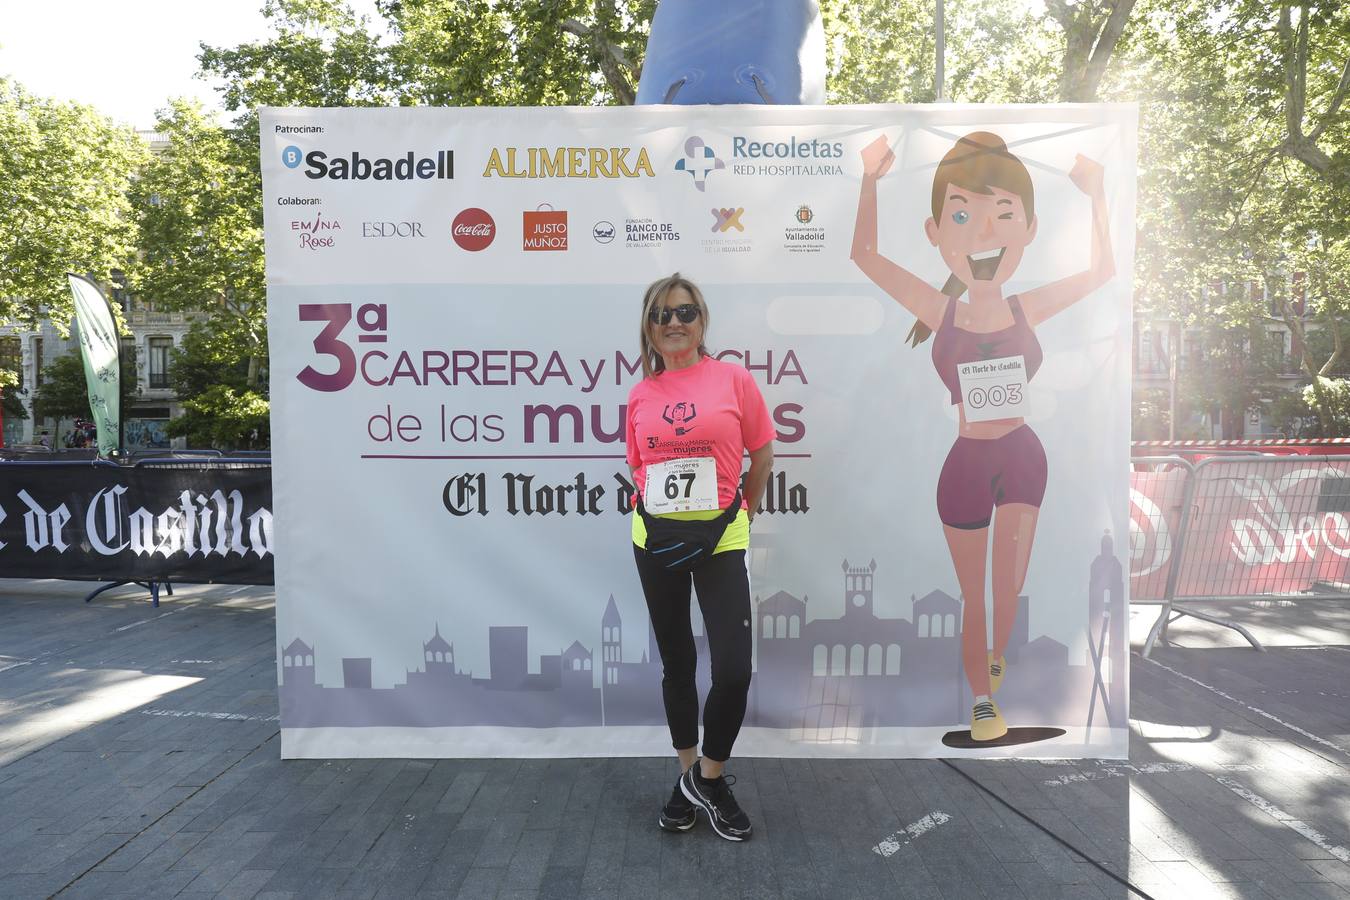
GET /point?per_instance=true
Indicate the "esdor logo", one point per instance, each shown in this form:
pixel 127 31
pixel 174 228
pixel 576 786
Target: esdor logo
pixel 473 229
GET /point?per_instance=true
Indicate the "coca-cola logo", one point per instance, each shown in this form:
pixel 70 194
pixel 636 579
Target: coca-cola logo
pixel 473 229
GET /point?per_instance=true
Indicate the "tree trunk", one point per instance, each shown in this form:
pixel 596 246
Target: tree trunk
pixel 1090 39
pixel 1298 143
pixel 1297 328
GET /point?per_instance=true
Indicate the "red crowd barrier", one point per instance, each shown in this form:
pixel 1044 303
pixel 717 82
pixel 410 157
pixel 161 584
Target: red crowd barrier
pixel 1237 526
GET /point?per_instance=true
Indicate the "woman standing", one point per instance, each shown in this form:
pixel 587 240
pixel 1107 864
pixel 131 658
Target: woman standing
pixel 690 422
pixel 985 352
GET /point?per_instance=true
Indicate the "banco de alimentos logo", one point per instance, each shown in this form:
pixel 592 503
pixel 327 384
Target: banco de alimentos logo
pixel 700 161
pixel 356 166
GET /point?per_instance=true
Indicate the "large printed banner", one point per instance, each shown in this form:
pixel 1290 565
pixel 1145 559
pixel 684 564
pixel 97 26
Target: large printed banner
pixel 454 301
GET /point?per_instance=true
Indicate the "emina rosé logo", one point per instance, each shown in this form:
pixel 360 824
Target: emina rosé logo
pixel 473 229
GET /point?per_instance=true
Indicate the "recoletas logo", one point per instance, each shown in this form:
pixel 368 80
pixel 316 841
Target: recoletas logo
pixel 699 161
pixel 356 166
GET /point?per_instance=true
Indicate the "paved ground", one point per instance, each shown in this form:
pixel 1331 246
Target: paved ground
pixel 139 758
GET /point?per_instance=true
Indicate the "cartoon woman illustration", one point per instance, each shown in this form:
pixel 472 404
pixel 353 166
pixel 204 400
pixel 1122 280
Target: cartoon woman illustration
pixel 985 351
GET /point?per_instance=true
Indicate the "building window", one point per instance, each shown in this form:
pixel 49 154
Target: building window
pixel 1277 346
pixel 794 627
pixel 11 357
pixel 768 627
pixel 159 361
pixel 39 358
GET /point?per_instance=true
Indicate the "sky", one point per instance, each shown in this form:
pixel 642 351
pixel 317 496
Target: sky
pixel 125 58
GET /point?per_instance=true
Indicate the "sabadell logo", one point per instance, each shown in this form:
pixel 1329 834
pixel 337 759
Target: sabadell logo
pixel 356 167
pixel 473 229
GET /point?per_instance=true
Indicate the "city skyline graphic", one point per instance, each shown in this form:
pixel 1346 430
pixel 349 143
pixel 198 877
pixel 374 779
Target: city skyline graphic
pixel 850 672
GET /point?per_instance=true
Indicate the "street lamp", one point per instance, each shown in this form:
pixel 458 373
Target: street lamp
pixel 939 28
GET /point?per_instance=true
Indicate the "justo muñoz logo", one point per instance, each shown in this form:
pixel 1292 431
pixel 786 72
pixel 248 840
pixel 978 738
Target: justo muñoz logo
pixel 473 229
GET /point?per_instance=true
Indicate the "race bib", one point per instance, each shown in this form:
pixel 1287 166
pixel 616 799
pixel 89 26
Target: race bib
pixel 681 485
pixel 994 389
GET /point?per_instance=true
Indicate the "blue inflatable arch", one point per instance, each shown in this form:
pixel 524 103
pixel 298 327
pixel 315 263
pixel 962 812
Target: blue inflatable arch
pixel 734 51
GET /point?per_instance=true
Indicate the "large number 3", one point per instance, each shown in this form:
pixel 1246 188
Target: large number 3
pixel 337 315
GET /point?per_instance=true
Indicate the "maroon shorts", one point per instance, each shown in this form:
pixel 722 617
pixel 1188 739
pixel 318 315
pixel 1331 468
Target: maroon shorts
pixel 980 475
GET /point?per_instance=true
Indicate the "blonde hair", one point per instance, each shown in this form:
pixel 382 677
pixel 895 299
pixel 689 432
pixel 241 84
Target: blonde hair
pixel 652 363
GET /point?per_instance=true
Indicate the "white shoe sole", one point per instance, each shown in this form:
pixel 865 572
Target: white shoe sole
pixel 692 796
pixel 661 822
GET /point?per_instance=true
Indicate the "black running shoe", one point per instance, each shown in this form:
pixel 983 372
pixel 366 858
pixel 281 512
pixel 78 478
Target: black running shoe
pixel 715 798
pixel 678 814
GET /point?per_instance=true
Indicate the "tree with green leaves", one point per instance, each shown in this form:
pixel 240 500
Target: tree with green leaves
pixel 64 393
pixel 199 210
pixel 884 51
pixel 320 53
pixel 11 407
pixel 519 52
pixel 225 418
pixel 1231 193
pixel 64 175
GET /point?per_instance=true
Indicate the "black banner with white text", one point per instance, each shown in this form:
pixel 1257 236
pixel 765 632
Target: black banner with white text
pixel 106 523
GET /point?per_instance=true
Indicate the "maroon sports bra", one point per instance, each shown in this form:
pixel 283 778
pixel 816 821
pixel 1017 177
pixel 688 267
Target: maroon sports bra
pixel 953 346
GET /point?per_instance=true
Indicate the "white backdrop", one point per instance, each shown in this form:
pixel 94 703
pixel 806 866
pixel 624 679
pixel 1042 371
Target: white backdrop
pixel 443 397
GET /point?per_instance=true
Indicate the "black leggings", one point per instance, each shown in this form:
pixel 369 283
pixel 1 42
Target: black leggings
pixel 724 597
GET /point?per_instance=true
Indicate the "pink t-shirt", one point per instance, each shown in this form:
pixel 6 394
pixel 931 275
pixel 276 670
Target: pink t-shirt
pixel 711 409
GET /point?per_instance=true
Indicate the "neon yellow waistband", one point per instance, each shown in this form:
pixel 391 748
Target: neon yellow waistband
pixel 736 537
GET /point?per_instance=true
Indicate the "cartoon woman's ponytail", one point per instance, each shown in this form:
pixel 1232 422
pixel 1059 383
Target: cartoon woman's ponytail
pixel 919 332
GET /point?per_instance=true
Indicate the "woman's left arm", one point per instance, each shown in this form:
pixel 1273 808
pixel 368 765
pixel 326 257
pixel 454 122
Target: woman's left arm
pixel 761 461
pixel 1043 302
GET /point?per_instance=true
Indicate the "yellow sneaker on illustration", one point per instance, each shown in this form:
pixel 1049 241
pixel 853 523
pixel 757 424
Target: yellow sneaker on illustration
pixel 986 722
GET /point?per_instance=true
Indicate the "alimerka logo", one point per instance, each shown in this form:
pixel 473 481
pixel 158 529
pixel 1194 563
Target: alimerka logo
pixel 356 167
pixel 568 162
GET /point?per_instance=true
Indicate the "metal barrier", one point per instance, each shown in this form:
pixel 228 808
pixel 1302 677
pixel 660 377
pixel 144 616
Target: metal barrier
pixel 190 459
pixel 1237 527
pixel 78 484
pixel 204 463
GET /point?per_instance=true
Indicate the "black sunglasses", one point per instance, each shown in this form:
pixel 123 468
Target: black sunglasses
pixel 685 312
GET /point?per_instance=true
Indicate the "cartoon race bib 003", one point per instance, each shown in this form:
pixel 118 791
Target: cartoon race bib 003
pixel 681 485
pixel 994 389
